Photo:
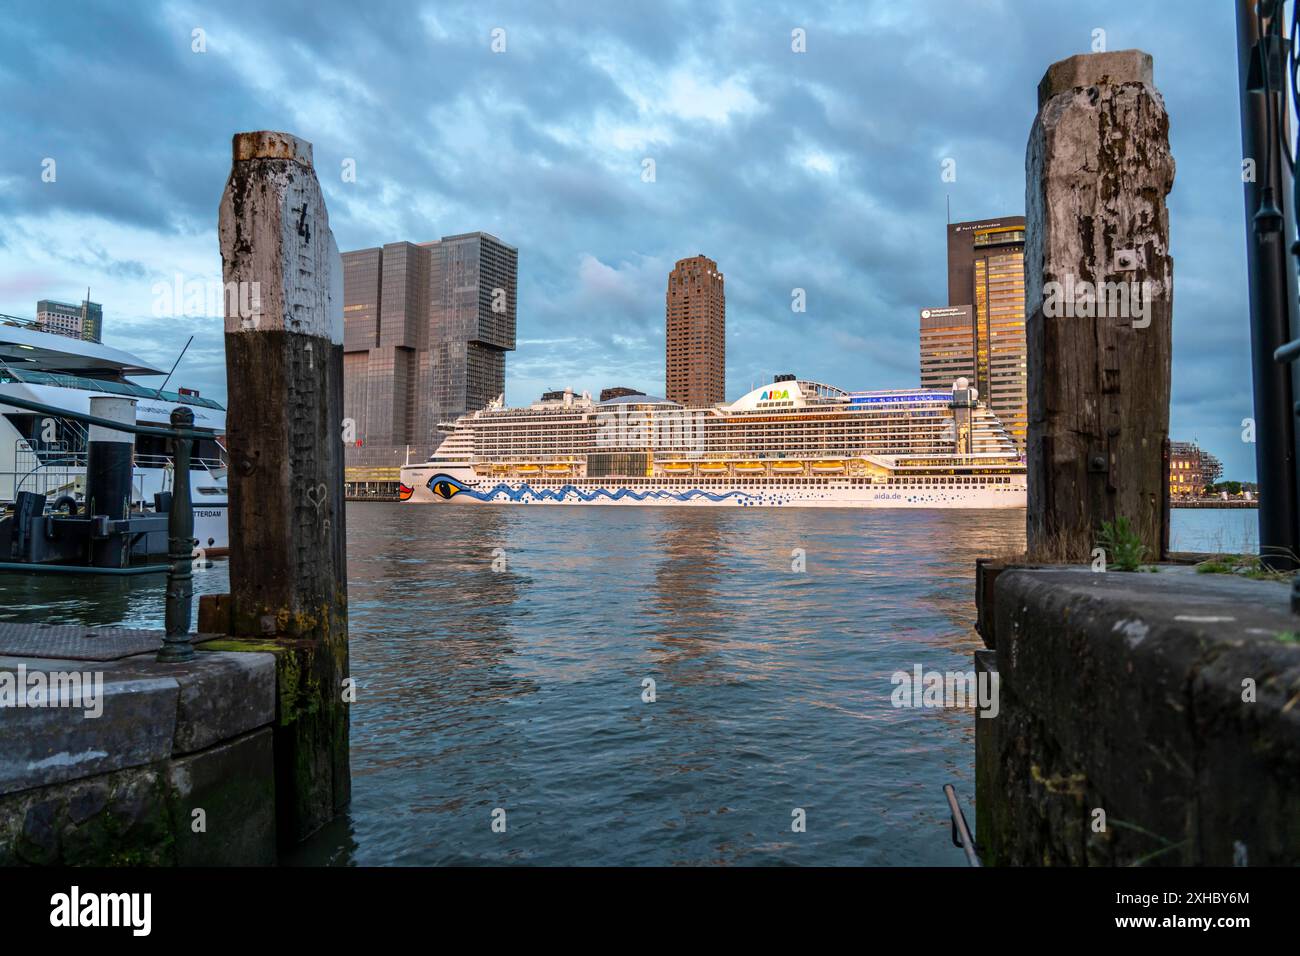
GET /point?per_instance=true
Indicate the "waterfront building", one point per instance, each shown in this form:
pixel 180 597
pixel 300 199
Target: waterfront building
pixel 947 345
pixel 986 271
pixel 426 327
pixel 695 341
pixel 1191 469
pixel 85 321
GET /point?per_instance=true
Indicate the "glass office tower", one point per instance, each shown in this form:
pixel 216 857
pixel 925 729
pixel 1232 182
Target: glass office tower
pixel 986 271
pixel 426 329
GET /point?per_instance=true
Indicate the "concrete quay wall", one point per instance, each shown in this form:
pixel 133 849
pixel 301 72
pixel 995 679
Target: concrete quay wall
pixel 1145 718
pixel 177 766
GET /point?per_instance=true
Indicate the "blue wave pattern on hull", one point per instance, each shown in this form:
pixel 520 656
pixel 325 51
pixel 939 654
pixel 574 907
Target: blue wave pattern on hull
pixel 447 487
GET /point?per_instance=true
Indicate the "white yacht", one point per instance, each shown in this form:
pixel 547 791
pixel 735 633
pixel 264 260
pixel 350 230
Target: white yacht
pixel 47 455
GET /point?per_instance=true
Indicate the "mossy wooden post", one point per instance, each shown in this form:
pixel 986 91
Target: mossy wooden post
pixel 1097 170
pixel 284 368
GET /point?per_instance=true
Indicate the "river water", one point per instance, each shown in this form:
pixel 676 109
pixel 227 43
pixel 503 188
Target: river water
pixel 501 657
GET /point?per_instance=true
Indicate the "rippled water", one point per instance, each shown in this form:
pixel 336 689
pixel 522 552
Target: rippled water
pixel 521 688
pixel 500 655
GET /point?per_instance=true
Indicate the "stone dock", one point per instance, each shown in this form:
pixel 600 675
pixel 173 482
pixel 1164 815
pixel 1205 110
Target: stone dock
pixel 1145 718
pixel 149 763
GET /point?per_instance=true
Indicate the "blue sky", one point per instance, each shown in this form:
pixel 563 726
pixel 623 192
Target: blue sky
pixel 819 170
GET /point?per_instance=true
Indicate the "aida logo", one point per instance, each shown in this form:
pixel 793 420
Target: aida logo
pixel 773 396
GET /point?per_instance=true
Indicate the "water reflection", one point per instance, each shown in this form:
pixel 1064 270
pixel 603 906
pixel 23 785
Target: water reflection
pixel 500 653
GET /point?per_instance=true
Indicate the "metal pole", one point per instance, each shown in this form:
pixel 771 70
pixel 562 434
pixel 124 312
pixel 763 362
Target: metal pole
pixel 180 544
pixel 1273 294
pixel 961 835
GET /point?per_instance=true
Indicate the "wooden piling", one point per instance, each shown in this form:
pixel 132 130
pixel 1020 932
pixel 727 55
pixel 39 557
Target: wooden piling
pixel 1098 168
pixel 284 369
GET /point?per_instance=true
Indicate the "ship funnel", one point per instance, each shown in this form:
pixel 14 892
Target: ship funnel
pixel 964 400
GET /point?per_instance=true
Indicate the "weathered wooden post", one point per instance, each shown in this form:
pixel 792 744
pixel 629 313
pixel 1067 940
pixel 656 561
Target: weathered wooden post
pixel 1098 297
pixel 284 367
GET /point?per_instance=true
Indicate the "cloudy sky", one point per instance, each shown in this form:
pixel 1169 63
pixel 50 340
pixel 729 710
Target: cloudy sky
pixel 819 170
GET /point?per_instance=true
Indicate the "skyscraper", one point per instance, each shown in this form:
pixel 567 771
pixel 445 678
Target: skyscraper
pixel 695 366
pixel 986 271
pixel 85 321
pixel 947 346
pixel 426 329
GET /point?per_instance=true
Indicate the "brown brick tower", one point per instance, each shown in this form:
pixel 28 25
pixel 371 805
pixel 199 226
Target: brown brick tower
pixel 695 370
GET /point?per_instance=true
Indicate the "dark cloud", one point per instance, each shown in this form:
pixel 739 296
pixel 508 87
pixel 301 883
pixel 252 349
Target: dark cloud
pixel 819 171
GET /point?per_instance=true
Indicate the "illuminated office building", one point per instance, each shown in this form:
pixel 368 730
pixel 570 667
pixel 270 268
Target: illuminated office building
pixel 986 271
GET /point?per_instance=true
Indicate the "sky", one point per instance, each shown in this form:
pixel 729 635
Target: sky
pixel 820 170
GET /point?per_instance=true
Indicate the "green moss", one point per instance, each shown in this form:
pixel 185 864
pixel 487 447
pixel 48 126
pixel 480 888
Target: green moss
pixel 110 839
pixel 238 644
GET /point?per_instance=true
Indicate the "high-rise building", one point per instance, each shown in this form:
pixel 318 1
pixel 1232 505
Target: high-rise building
pixel 426 328
pixel 947 346
pixel 695 366
pixel 85 321
pixel 986 271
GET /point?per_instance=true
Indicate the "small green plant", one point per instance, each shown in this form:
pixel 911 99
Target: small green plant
pixel 1243 565
pixel 1122 545
pixel 1289 637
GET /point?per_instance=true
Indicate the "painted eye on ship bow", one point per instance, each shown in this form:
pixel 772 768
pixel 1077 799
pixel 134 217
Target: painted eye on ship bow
pixel 444 487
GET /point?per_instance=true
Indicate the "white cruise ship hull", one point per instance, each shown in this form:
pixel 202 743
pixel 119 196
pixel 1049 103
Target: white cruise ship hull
pixel 457 487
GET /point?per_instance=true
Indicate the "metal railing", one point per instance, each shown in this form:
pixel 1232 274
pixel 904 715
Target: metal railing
pixel 1268 68
pixel 961 835
pixel 51 469
pixel 176 644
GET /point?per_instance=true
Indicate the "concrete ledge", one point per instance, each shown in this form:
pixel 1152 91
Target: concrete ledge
pixel 221 695
pixel 1123 692
pixel 43 745
pixel 147 712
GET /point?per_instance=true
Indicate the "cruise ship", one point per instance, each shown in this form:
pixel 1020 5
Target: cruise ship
pixel 791 443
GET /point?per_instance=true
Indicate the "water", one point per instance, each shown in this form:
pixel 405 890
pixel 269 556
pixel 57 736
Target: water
pixel 1214 530
pixel 520 687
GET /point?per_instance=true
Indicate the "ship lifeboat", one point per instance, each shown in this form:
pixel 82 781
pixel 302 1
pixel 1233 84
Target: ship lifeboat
pixel 749 468
pixel 713 468
pixel 676 467
pixel 828 467
pixel 788 467
pixel 557 468
pixel 528 469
